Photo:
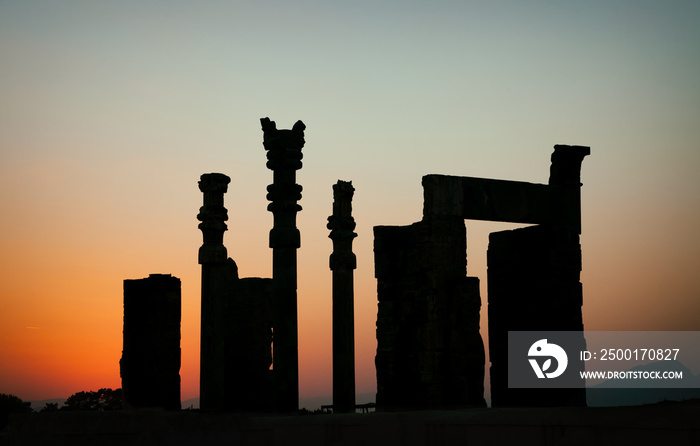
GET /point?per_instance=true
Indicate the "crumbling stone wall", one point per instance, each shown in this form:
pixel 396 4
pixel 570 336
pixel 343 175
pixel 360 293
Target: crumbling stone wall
pixel 249 345
pixel 429 350
pixel 150 363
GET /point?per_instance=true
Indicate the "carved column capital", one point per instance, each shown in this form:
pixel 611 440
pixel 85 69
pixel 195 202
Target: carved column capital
pixel 284 159
pixel 342 225
pixel 213 216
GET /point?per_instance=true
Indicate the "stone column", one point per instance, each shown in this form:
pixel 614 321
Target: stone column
pixel 342 263
pixel 150 364
pixel 284 159
pixel 212 257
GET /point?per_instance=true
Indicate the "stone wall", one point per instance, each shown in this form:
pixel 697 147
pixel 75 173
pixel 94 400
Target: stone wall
pixel 249 346
pixel 533 285
pixel 429 350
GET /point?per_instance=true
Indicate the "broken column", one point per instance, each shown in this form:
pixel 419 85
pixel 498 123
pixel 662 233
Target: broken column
pixel 342 263
pixel 215 276
pixel 284 159
pixel 150 363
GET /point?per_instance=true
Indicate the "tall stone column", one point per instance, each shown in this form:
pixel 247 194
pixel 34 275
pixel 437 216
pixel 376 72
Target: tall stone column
pixel 342 263
pixel 212 257
pixel 284 159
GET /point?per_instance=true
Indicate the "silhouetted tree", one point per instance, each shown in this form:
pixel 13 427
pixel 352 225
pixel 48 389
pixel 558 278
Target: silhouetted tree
pixel 103 399
pixel 50 407
pixel 11 404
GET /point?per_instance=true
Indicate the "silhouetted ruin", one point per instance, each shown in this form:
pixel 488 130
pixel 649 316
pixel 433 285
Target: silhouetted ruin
pixel 236 318
pixel 284 159
pixel 150 363
pixel 342 263
pixel 534 278
pixel 430 354
pixel 429 351
pixel 533 285
pixel 216 271
pixel 241 315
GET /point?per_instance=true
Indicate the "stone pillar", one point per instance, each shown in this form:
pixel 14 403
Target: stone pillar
pixel 150 363
pixel 429 350
pixel 212 257
pixel 533 285
pixel 565 176
pixel 249 346
pixel 342 263
pixel 284 159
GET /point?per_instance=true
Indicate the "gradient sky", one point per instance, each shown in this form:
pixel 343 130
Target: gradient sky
pixel 110 112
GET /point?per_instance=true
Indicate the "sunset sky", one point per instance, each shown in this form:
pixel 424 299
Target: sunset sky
pixel 110 111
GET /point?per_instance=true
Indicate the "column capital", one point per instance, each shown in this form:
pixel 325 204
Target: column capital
pixel 342 225
pixel 214 182
pixel 566 165
pixel 282 139
pixel 213 216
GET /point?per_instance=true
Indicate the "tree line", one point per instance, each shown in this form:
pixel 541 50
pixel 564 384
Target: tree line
pixel 103 399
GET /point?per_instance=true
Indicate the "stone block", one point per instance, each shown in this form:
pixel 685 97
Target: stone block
pixel 150 363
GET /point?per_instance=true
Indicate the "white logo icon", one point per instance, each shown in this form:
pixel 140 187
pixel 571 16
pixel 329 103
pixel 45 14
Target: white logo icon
pixel 541 348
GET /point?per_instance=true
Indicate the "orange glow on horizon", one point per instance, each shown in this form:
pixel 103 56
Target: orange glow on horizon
pixel 66 337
